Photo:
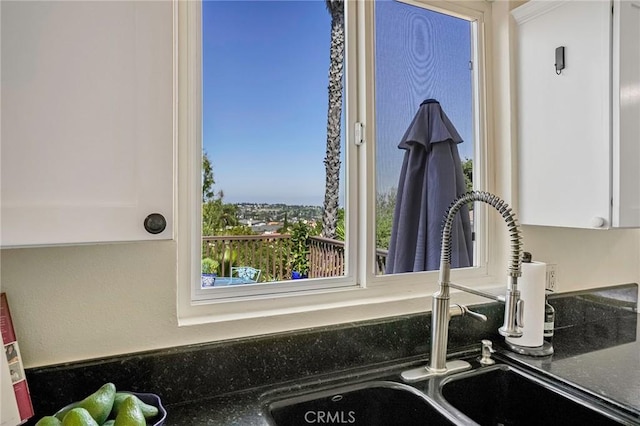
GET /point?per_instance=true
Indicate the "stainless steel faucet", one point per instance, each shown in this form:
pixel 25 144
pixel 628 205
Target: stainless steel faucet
pixel 442 312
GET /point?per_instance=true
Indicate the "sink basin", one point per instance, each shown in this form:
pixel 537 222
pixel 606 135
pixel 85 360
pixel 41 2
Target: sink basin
pixel 378 403
pixel 502 395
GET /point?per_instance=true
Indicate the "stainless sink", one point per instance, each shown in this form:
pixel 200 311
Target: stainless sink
pixel 377 403
pixel 503 395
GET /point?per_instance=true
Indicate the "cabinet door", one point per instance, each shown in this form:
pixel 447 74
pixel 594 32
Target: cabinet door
pixel 87 121
pixel 626 114
pixel 564 137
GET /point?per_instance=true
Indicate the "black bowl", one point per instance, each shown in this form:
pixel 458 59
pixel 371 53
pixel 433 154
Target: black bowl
pixel 153 399
pixel 147 398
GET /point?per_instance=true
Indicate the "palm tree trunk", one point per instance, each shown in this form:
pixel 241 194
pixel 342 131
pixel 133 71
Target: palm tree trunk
pixel 334 117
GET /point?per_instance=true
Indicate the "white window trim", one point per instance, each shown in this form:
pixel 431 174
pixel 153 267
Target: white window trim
pixel 479 11
pixel 367 295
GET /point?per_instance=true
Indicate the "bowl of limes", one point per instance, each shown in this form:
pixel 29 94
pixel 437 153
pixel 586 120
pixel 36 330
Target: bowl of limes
pixel 108 407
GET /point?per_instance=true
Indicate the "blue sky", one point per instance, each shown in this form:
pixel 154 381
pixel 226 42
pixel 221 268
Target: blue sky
pixel 265 125
pixel 265 66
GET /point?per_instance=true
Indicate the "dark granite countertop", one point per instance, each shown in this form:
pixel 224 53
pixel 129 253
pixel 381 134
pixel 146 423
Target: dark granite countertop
pixel 597 351
pixel 611 373
pixel 600 357
pixel 596 344
pixel 239 409
pixel 248 408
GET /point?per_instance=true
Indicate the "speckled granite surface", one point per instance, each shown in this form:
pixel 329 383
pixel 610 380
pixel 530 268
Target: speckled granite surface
pixel 597 348
pixel 193 373
pixel 224 383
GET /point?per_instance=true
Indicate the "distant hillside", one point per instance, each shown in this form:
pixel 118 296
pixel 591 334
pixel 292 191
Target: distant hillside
pixel 263 212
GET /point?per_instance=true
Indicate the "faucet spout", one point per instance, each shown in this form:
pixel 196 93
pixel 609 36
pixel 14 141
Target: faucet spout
pixel 441 313
pixel 511 321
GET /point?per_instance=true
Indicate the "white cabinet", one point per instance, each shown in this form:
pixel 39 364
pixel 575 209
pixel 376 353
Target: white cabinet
pixel 579 128
pixel 87 121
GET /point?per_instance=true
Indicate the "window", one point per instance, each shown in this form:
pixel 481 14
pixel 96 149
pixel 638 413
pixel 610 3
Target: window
pixel 420 54
pixel 266 145
pixel 243 87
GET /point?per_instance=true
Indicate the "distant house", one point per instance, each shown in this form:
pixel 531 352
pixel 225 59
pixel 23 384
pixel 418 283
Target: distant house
pixel 263 228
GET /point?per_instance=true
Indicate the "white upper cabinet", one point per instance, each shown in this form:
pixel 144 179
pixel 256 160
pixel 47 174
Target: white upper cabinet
pixel 626 114
pixel 579 127
pixel 87 121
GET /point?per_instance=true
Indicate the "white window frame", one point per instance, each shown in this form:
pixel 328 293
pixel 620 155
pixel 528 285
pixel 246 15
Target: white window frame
pixel 359 294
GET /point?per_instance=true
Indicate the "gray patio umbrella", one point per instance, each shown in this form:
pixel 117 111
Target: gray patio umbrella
pixel 431 178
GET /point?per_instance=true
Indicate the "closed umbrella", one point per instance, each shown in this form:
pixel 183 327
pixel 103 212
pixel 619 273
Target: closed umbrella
pixel 431 178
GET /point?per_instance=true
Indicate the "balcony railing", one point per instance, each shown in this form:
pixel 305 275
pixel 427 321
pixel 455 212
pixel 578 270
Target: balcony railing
pixel 326 257
pixel 270 254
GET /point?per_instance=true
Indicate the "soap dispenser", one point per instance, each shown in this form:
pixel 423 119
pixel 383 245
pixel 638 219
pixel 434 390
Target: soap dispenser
pixel 532 293
pixel 549 319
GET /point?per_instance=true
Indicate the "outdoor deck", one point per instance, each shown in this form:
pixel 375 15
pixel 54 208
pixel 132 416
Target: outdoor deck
pixel 271 254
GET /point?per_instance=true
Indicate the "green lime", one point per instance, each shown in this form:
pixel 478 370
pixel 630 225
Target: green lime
pixel 99 403
pixel 63 411
pixel 148 411
pixel 130 414
pixel 49 421
pixel 78 417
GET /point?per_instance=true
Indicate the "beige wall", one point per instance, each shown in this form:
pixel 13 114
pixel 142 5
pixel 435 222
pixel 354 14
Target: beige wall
pixel 73 303
pixel 587 258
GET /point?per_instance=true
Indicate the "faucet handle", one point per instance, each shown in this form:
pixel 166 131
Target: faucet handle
pixel 463 311
pixel 475 315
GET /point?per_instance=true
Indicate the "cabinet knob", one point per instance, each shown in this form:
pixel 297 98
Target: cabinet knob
pixel 598 222
pixel 155 223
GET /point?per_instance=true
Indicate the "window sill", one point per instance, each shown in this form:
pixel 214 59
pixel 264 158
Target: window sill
pixel 272 314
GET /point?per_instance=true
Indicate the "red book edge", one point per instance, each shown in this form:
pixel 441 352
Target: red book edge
pixel 12 352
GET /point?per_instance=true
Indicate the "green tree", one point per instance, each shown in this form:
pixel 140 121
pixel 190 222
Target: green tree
pixel 285 224
pixel 467 169
pixel 217 217
pixel 207 179
pixel 385 207
pixel 334 117
pixel 340 226
pixel 299 257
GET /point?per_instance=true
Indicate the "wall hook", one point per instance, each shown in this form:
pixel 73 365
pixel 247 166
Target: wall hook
pixel 559 59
